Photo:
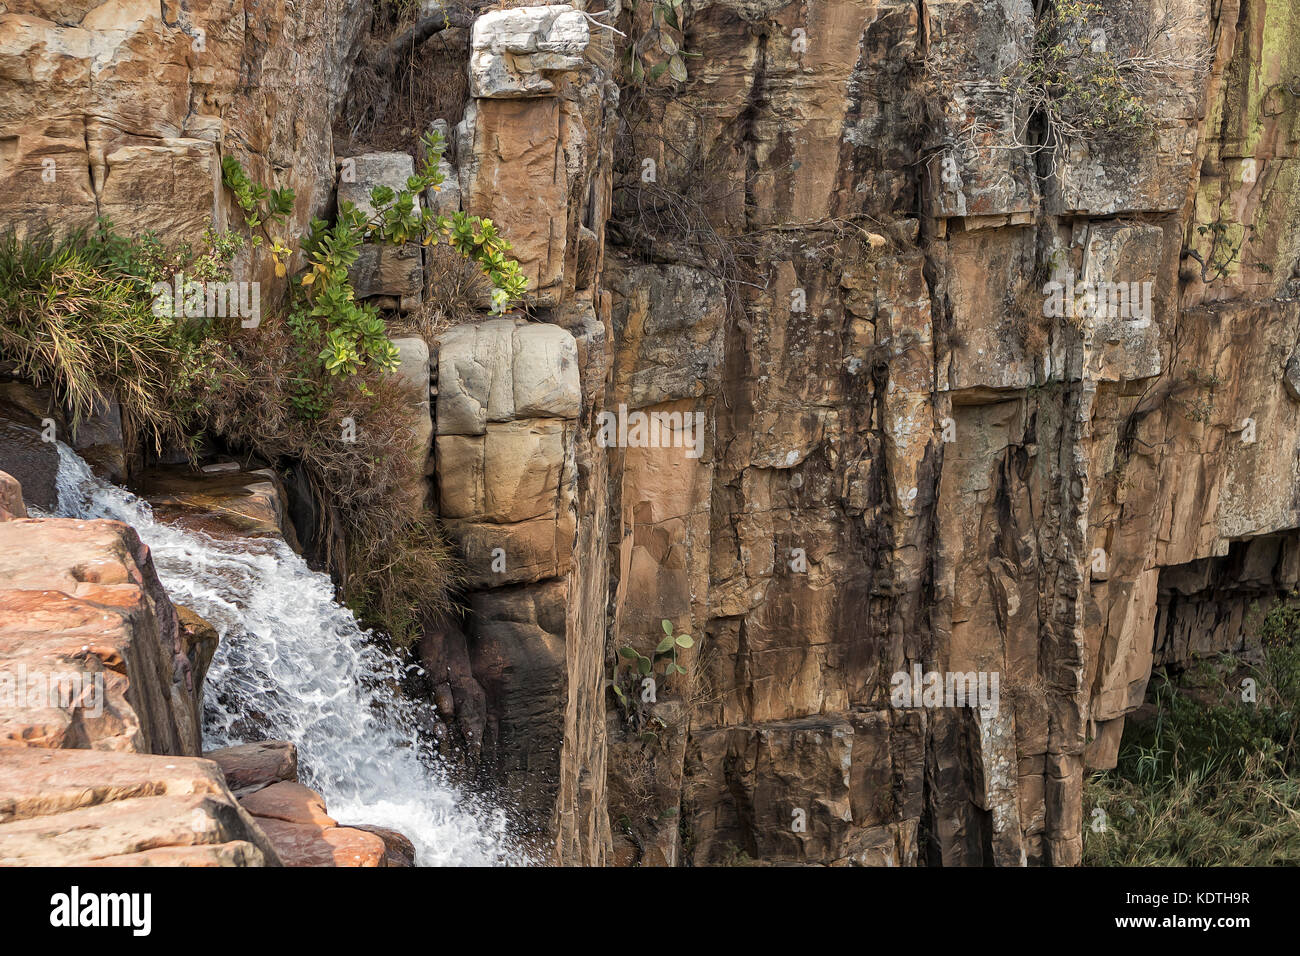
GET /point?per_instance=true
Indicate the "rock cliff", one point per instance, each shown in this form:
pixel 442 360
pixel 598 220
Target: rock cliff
pixel 833 235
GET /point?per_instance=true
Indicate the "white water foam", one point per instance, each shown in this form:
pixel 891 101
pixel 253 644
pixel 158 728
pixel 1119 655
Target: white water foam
pixel 295 665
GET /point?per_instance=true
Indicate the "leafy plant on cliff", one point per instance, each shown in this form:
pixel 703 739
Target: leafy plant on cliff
pixel 260 206
pixel 1087 72
pixel 638 677
pixel 336 335
pixel 78 314
pixel 655 54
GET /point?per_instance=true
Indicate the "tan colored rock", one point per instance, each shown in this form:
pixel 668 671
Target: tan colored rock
pixel 500 370
pixel 172 188
pixel 133 107
pixel 90 635
pixel 11 498
pixel 511 172
pixel 82 807
pixel 515 472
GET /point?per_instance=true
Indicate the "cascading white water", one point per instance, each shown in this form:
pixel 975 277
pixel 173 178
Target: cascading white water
pixel 295 665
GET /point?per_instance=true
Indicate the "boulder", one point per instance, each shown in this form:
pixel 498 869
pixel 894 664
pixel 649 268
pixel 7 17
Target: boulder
pixel 288 801
pixel 515 472
pixel 399 851
pixel 308 844
pixel 260 764
pixel 11 498
pixel 503 369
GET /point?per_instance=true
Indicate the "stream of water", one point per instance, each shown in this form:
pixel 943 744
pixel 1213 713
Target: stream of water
pixel 295 665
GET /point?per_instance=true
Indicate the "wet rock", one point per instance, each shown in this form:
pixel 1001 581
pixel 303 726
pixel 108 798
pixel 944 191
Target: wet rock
pixel 257 764
pixel 306 844
pixel 199 639
pixel 26 422
pixel 399 851
pixel 245 503
pixel 99 440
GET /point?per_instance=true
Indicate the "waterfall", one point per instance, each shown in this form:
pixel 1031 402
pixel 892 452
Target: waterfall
pixel 295 665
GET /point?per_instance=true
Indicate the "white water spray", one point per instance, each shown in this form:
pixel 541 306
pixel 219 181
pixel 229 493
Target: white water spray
pixel 295 665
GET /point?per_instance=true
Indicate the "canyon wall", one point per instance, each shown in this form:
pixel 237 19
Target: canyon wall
pixel 831 241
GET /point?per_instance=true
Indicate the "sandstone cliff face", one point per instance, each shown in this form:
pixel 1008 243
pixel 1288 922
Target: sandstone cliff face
pixel 904 461
pixel 125 109
pixel 974 488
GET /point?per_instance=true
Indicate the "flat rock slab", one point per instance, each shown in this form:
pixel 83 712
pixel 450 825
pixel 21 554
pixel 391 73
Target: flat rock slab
pixel 243 503
pixel 122 827
pixel 89 807
pixel 35 783
pixel 235 853
pixel 90 642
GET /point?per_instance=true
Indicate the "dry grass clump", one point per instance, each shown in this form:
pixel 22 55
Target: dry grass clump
pixel 394 567
pixel 455 293
pixel 76 314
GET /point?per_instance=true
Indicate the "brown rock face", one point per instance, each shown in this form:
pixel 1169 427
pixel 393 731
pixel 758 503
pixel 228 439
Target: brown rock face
pixel 903 443
pixel 125 110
